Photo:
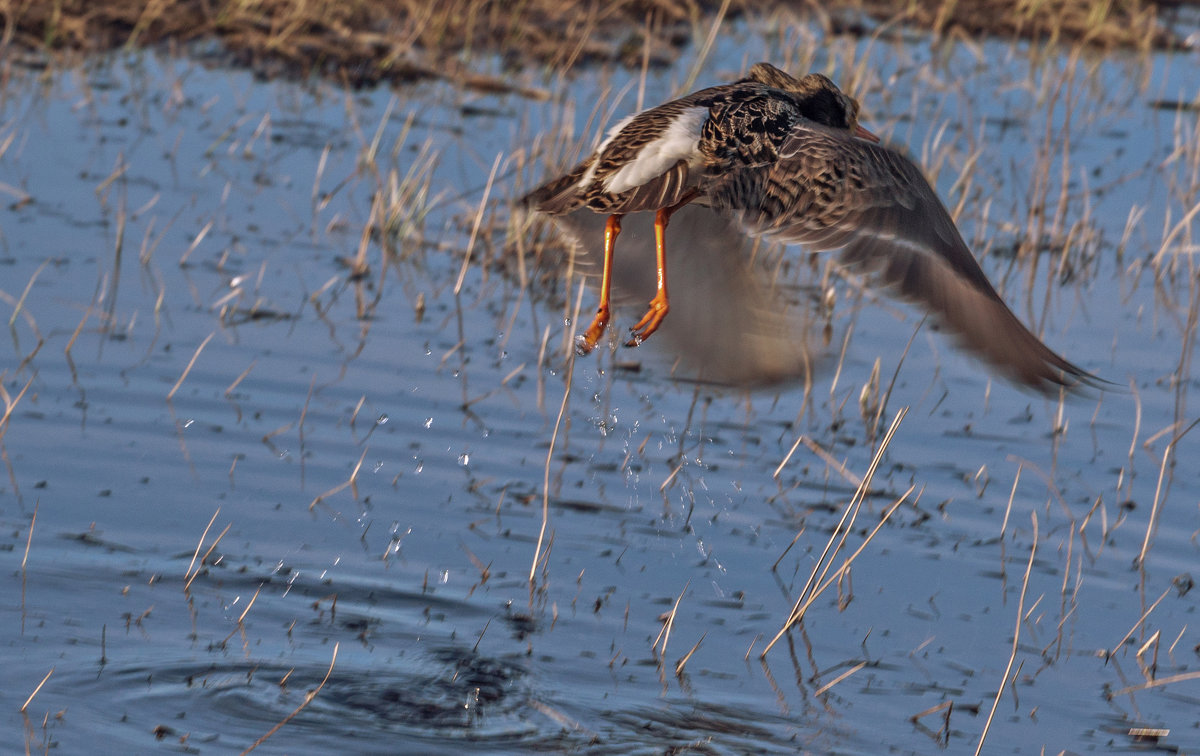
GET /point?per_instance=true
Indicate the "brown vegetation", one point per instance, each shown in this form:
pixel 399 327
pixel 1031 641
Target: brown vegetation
pixel 369 41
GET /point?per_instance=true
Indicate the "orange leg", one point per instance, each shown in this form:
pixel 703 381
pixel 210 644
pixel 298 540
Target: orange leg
pixel 590 338
pixel 659 306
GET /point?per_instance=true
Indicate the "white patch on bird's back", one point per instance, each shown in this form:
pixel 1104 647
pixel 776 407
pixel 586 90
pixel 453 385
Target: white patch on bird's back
pixel 611 135
pixel 678 141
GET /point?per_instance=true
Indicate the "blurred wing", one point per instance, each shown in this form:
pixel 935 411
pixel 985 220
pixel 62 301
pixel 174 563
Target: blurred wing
pixel 829 190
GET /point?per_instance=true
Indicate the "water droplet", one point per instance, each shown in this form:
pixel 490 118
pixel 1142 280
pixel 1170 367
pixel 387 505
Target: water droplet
pixel 382 419
pixel 428 422
pixel 464 459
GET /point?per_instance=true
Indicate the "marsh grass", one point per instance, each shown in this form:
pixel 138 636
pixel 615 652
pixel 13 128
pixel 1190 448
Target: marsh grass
pixel 25 564
pixel 366 42
pixel 198 561
pixel 819 579
pixel 308 698
pixel 10 404
pixel 1021 616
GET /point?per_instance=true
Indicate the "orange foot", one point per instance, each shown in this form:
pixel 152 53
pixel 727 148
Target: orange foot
pixel 588 340
pixel 659 306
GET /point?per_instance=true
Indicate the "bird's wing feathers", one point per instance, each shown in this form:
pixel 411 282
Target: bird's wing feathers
pixel 648 161
pixel 829 190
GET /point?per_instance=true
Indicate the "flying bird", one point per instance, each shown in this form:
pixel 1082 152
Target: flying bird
pixel 786 158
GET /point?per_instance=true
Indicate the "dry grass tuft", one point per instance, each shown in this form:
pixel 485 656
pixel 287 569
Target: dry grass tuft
pixel 368 42
pixel 1132 23
pixel 363 42
pixel 308 698
pixel 819 580
pixel 1021 614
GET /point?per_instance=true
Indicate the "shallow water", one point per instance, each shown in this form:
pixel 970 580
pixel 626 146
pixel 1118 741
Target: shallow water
pixel 155 206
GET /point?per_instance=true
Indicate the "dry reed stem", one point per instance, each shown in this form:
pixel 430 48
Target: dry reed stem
pixel 795 539
pixel 837 373
pixel 9 403
pixel 931 710
pixel 87 314
pixel 837 576
pixel 809 594
pixel 308 698
pixel 312 384
pixel 786 457
pixel 25 293
pixel 671 476
pixel 29 700
pixel 942 736
pixel 1158 682
pixel 562 409
pixel 1051 486
pixel 887 394
pixel 679 665
pixel 1171 648
pixel 1138 624
pixel 254 598
pixel 487 190
pixel 191 362
pixel 751 647
pixel 237 381
pixel 238 625
pixel 187 574
pixel 349 482
pixel 828 458
pixel 1152 524
pixel 188 584
pixel 557 716
pixel 1137 419
pixel 1150 644
pixel 545 480
pixel 25 560
pixel 1016 634
pixel 705 48
pixel 838 679
pixel 499 387
pixel 665 633
pixel 195 243
pixel 1184 224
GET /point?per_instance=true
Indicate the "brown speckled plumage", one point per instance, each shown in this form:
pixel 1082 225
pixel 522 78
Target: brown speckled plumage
pixel 827 191
pixel 786 158
pixel 745 124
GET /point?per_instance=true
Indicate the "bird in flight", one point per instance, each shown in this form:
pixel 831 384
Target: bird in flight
pixel 786 158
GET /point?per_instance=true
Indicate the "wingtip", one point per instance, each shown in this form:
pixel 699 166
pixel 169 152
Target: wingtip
pixel 1057 376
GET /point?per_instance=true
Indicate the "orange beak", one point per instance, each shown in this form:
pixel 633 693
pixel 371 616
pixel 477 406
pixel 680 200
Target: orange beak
pixel 862 133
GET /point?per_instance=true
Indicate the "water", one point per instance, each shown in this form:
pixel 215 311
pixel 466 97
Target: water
pixel 156 206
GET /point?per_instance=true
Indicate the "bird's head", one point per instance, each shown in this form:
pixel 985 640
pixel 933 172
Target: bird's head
pixel 819 98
